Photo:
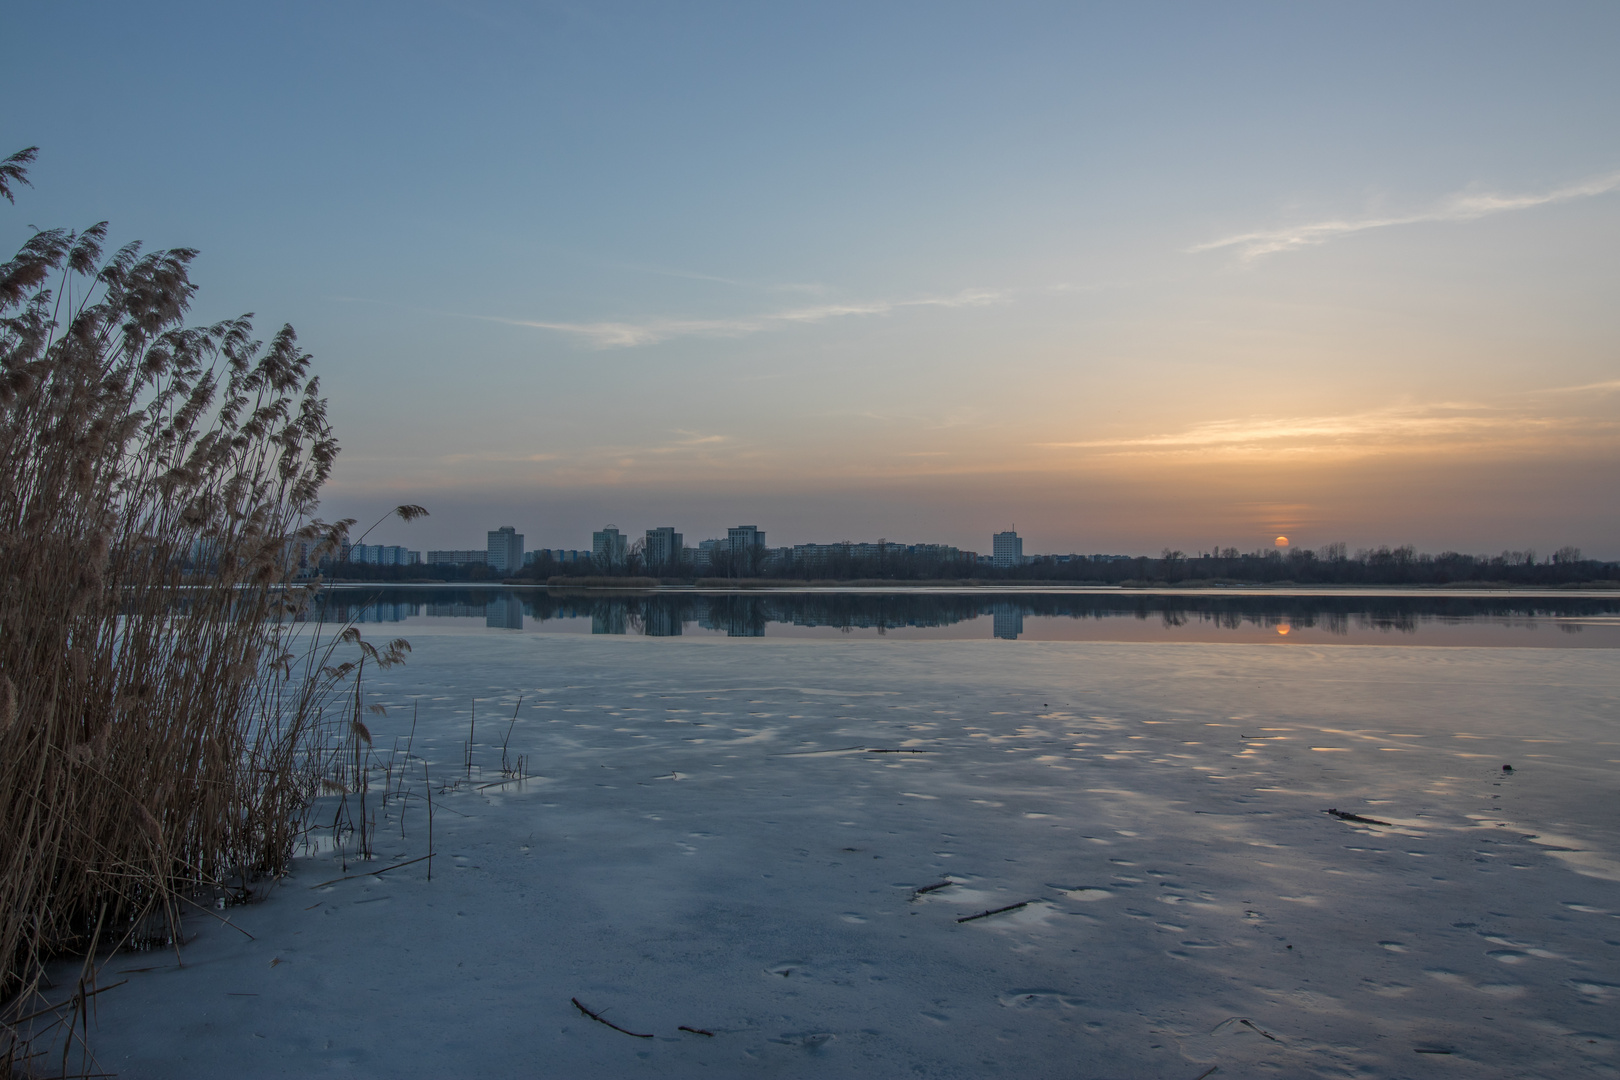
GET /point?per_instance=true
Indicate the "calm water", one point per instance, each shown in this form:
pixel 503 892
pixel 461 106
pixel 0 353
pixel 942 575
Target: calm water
pixel 1513 620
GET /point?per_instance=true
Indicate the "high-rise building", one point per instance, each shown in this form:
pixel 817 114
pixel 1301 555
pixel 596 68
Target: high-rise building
pixel 505 550
pixel 609 548
pixel 664 547
pixel 742 540
pixel 1007 549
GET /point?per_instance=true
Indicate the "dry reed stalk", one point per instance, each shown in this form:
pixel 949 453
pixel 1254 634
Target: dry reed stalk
pixel 162 690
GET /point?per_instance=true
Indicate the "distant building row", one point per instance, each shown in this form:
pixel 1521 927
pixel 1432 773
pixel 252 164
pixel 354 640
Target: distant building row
pixel 742 549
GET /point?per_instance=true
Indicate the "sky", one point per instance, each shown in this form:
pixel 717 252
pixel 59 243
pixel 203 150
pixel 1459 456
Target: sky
pixel 1123 277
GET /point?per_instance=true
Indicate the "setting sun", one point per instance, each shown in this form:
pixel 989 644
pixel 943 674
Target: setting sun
pixel 1281 541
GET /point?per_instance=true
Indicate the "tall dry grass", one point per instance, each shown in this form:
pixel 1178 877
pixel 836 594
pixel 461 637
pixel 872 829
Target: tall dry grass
pixel 161 696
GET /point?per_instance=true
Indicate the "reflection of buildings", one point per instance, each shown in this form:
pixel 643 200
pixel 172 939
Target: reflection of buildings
pixel 740 624
pixel 504 612
pixel 383 611
pixel 661 620
pixel 738 616
pixel 1007 620
pixel 457 610
pixel 610 618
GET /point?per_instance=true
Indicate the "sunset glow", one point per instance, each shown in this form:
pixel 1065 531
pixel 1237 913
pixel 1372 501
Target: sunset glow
pixel 668 270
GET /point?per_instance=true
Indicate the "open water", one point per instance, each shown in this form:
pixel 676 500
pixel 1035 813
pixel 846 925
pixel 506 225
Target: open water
pixel 1559 619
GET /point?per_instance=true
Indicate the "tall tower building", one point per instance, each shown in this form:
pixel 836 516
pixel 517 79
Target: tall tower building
pixel 663 547
pixel 1007 549
pixel 609 548
pixel 506 550
pixel 743 539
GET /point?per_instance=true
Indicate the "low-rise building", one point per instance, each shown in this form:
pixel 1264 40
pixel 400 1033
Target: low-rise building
pixel 458 558
pixel 556 555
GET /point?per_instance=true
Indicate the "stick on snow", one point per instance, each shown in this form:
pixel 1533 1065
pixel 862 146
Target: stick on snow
pixel 930 888
pixel 601 1020
pixel 995 911
pixel 368 873
pixel 1357 818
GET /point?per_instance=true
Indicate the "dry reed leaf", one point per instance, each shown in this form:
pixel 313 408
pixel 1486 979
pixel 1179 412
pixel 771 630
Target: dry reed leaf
pixel 157 487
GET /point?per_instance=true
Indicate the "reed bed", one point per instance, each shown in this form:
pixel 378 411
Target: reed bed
pixel 163 700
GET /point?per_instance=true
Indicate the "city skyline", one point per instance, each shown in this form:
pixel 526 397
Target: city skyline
pixel 1133 278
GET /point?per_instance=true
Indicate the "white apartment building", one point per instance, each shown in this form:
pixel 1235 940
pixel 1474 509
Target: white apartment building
pixel 505 551
pixel 1007 549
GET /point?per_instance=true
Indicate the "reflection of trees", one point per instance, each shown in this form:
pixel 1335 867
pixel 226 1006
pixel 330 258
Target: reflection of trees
pixel 749 614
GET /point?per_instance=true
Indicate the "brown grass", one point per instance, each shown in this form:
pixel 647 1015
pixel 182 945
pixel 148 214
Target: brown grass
pixel 161 699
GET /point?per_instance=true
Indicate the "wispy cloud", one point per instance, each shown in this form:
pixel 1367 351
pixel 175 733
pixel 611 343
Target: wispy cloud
pixel 690 440
pixel 1595 387
pixel 1398 427
pixel 610 335
pixel 1463 206
pixel 694 275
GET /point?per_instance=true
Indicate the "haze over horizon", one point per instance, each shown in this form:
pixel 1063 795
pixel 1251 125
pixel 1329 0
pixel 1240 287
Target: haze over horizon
pixel 1127 278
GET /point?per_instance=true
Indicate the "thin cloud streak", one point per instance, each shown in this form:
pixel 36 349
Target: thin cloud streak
pixel 1406 427
pixel 1463 206
pixel 611 335
pixel 1611 384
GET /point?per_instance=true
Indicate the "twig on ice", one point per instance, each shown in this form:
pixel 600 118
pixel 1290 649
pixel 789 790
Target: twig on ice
pixel 600 1020
pixel 76 998
pixel 996 911
pixel 696 1031
pixel 368 873
pixel 915 893
pixel 1358 819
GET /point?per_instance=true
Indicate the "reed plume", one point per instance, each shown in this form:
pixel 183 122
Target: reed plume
pixel 161 691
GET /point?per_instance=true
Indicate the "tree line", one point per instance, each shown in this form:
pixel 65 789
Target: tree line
pixel 1331 565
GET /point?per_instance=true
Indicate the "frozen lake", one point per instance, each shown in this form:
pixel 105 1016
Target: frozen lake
pixel 714 840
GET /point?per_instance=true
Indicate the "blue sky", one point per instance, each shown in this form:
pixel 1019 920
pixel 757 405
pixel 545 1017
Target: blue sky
pixel 1128 276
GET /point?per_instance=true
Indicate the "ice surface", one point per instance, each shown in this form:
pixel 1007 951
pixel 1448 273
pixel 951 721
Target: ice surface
pixel 711 842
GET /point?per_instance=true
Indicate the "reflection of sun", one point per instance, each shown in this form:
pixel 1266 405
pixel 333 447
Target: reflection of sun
pixel 1283 628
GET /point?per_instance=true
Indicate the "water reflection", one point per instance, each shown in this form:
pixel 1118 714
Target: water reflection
pixel 1424 618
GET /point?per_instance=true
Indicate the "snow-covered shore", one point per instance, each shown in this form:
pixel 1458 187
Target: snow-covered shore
pixel 711 843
